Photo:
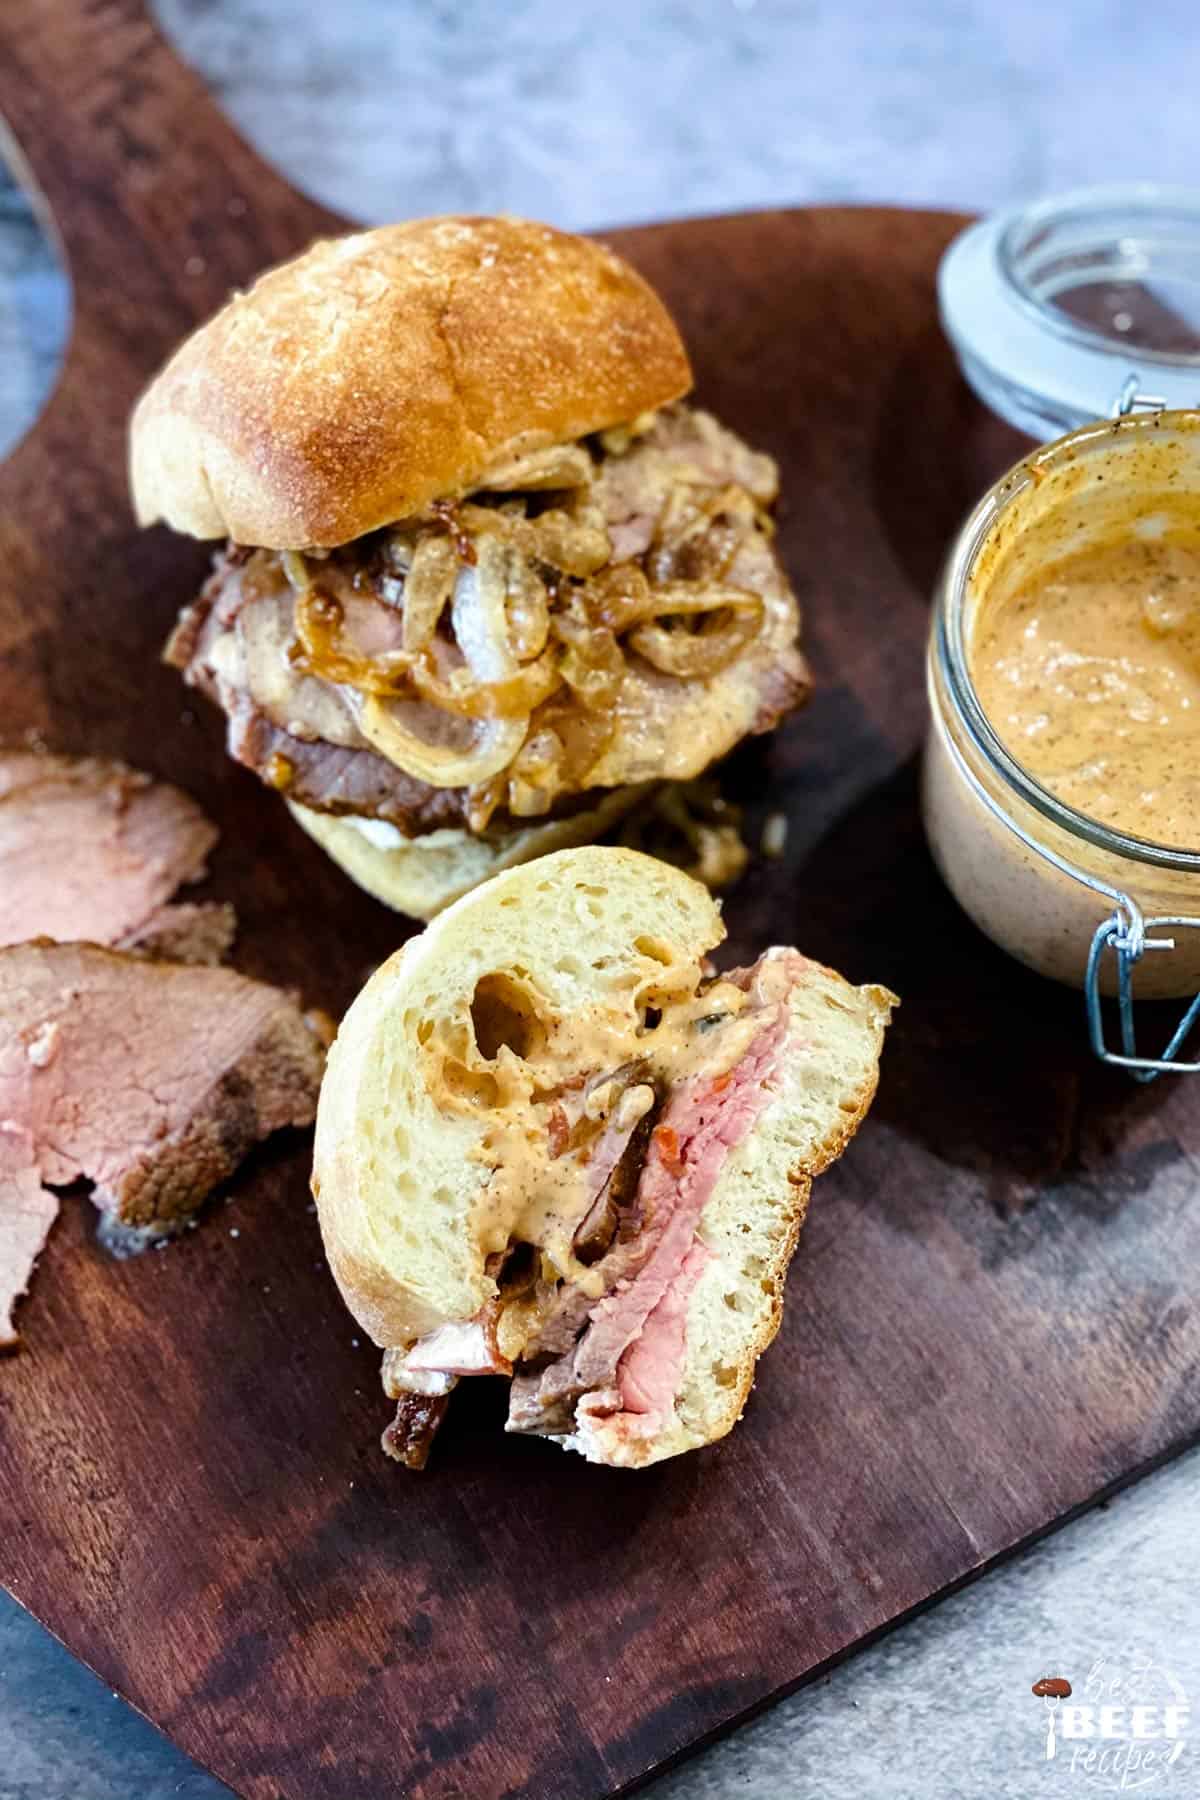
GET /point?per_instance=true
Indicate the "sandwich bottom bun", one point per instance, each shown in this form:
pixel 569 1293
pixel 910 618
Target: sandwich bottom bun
pixel 420 876
pixel 551 1144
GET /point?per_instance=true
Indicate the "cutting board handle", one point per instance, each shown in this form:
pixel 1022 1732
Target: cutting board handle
pixel 157 202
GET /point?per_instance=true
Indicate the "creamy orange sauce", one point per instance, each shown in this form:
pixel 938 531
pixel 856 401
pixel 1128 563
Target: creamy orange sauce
pixel 1090 674
pixel 537 1192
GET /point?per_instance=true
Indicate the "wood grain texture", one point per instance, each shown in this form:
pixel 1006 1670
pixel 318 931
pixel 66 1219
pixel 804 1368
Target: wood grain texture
pixel 993 1314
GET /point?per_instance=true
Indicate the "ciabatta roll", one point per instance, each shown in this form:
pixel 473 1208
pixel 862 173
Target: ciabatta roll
pixel 553 1144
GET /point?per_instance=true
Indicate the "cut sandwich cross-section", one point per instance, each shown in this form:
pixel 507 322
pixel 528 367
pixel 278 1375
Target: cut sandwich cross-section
pixel 553 1144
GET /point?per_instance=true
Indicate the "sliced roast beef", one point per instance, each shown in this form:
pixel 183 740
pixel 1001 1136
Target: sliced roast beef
pixel 614 1167
pixel 684 445
pixel 280 743
pixel 295 732
pixel 332 779
pixel 611 1344
pixel 27 1211
pixel 190 932
pixel 631 1345
pixel 150 1079
pixel 237 643
pixel 92 850
pixel 780 691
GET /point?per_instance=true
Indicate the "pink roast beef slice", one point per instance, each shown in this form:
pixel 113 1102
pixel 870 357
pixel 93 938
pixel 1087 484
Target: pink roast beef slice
pixel 195 931
pixel 150 1079
pixel 27 1211
pixel 90 849
pixel 648 1374
pixel 631 1350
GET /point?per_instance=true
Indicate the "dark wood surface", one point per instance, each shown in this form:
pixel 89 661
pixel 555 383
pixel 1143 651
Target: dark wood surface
pixel 993 1315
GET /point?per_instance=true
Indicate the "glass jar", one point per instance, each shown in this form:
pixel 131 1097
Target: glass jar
pixel 1037 876
pixel 1081 306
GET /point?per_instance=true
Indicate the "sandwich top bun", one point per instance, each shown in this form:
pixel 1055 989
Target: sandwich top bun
pixel 380 371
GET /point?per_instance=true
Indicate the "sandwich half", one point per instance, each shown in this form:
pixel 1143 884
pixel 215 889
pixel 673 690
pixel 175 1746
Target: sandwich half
pixel 485 575
pixel 554 1144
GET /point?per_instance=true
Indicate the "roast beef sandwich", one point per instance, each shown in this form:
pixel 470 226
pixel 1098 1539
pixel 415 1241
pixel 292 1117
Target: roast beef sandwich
pixel 553 1144
pixel 485 575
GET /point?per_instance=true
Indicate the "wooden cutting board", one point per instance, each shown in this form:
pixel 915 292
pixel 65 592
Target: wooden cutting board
pixel 994 1314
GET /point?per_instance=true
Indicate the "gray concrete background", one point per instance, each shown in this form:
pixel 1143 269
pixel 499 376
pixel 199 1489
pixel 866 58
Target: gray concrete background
pixel 594 115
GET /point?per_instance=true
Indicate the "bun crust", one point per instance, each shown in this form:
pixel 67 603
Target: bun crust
pixel 398 1178
pixel 421 877
pixel 402 1182
pixel 380 371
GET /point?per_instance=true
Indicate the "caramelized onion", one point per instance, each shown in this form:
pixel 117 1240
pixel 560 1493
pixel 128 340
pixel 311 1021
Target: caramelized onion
pixel 427 588
pixel 296 570
pixel 514 697
pixel 481 628
pixel 321 650
pixel 536 774
pixel 542 619
pixel 592 665
pixel 699 539
pixel 696 655
pixel 622 598
pixel 528 607
pixel 496 743
pixel 558 466
pixel 569 741
pixel 577 543
pixel 478 615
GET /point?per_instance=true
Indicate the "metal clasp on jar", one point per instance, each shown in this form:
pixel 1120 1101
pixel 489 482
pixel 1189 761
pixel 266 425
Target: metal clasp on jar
pixel 1126 932
pixel 1127 935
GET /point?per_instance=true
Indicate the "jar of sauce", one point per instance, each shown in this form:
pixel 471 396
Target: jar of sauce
pixel 1061 786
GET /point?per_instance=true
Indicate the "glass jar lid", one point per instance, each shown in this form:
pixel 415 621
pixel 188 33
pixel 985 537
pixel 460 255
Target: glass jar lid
pixel 1079 307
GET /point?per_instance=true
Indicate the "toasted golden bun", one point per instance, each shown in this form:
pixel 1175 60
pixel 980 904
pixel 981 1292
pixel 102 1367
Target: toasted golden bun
pixel 422 875
pixel 398 1176
pixel 381 371
pixel 402 1181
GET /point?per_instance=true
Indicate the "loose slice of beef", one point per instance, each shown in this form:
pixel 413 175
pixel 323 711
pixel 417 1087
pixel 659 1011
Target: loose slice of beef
pixel 151 1079
pixel 195 931
pixel 27 1211
pixel 91 850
